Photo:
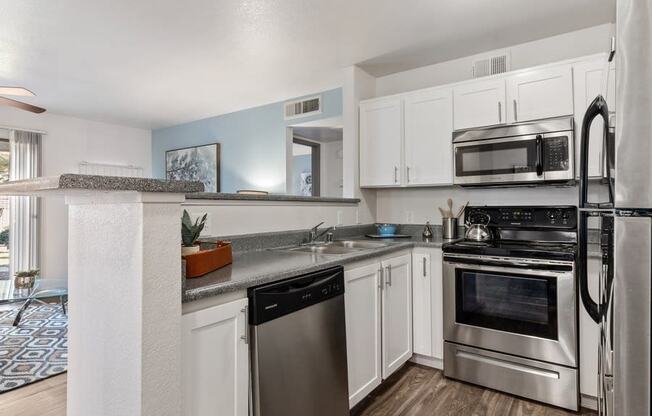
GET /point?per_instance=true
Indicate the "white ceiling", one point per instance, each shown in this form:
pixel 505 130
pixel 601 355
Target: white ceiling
pixel 154 63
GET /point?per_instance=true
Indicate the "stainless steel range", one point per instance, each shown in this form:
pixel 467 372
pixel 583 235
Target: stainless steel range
pixel 510 304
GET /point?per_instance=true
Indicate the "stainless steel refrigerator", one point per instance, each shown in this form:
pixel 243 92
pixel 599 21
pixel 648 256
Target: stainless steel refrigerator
pixel 623 307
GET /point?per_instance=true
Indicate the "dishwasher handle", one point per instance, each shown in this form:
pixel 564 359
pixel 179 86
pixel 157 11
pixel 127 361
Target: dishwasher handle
pixel 274 300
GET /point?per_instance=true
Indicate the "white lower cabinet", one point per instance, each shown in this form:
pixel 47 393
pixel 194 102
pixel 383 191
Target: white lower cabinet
pixel 396 313
pixel 427 304
pixel 363 330
pixel 590 335
pixel 215 360
pixel 378 299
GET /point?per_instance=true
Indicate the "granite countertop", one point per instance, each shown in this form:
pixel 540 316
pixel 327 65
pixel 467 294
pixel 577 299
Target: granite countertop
pixel 221 196
pixel 72 181
pixel 253 268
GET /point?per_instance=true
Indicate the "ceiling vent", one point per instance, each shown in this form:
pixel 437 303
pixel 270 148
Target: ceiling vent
pixel 303 108
pixel 491 65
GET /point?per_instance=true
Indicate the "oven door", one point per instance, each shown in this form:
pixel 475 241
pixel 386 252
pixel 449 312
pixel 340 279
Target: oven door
pixel 515 306
pixel 523 159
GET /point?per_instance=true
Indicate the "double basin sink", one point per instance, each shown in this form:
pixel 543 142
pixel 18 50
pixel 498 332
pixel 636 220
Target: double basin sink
pixel 337 247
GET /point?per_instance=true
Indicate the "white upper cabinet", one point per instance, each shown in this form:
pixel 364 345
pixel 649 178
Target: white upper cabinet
pixel 479 103
pixel 541 93
pixel 428 137
pixel 215 361
pixel 588 83
pixel 381 134
pixel 363 330
pixel 396 313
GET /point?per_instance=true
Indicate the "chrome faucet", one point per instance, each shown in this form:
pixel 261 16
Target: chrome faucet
pixel 313 236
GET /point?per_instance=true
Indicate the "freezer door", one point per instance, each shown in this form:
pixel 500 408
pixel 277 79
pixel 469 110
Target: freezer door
pixel 633 104
pixel 632 298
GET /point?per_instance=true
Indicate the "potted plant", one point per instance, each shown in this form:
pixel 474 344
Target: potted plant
pixel 25 279
pixel 190 233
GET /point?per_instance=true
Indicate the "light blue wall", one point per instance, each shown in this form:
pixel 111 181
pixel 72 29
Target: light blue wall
pixel 252 143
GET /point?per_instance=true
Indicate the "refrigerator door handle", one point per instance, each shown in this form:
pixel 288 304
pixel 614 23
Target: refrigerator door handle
pixel 598 107
pixel 591 306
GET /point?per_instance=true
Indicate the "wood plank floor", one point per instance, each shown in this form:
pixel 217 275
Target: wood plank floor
pixel 413 391
pixel 416 390
pixel 43 398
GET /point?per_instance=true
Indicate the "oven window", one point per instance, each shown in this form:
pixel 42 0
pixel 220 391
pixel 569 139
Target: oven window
pixel 520 304
pixel 518 156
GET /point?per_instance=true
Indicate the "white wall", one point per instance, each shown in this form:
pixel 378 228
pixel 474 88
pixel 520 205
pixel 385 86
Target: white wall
pixel 68 141
pixel 557 48
pixel 417 205
pixel 331 168
pixel 247 217
pixel 357 85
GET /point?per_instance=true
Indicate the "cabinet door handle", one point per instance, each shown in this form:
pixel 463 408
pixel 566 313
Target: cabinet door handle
pixel 395 174
pixel 382 278
pixel 245 337
pixel 515 111
pixel 500 112
pixel 389 275
pixel 408 174
pixel 424 267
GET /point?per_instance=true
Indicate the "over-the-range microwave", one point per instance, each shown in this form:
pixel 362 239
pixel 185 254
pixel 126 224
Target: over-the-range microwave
pixel 527 153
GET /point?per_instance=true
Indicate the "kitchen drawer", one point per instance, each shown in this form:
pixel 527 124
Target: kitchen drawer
pixel 536 380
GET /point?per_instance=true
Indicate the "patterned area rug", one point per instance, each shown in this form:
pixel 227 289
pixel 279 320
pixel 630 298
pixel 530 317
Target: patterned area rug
pixel 35 350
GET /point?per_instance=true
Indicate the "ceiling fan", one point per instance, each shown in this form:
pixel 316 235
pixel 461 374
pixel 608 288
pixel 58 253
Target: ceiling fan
pixel 20 92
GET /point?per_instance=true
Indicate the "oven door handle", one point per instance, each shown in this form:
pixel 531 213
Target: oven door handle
pixel 518 266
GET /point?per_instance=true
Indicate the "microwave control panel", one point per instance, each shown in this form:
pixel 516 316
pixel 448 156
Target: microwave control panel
pixel 555 153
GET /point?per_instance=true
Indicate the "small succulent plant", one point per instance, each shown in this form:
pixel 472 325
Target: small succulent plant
pixel 28 273
pixel 190 231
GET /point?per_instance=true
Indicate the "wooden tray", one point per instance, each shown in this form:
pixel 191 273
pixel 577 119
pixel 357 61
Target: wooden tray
pixel 206 261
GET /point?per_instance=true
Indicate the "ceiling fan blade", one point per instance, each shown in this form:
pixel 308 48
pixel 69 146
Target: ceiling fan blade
pixel 21 105
pixel 19 91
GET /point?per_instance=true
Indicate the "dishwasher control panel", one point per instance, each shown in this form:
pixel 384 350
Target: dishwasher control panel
pixel 277 299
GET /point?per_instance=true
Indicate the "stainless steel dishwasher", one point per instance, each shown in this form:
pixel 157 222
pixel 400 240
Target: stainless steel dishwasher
pixel 298 352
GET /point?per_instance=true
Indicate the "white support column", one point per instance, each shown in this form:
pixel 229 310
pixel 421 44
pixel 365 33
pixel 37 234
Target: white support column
pixel 124 282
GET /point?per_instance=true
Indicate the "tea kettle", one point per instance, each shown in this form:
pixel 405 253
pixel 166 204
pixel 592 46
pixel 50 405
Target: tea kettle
pixel 478 231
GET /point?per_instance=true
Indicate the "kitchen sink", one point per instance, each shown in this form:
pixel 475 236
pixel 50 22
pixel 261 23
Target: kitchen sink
pixel 337 247
pixel 358 244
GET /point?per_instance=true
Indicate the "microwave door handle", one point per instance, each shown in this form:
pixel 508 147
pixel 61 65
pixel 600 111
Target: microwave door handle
pixel 539 144
pixel 598 107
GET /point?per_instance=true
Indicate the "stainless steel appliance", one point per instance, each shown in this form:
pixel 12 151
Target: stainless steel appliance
pixel 298 352
pixel 518 154
pixel 510 314
pixel 623 309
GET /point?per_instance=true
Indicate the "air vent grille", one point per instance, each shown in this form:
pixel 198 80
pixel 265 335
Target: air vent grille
pixel 303 108
pixel 491 65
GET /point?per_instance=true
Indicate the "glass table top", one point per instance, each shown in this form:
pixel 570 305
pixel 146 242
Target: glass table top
pixel 43 288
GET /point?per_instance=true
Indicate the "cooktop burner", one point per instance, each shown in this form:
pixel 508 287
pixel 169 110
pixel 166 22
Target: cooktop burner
pixel 526 232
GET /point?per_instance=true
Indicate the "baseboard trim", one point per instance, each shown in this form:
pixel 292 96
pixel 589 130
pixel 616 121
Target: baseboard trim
pixel 588 402
pixel 432 362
